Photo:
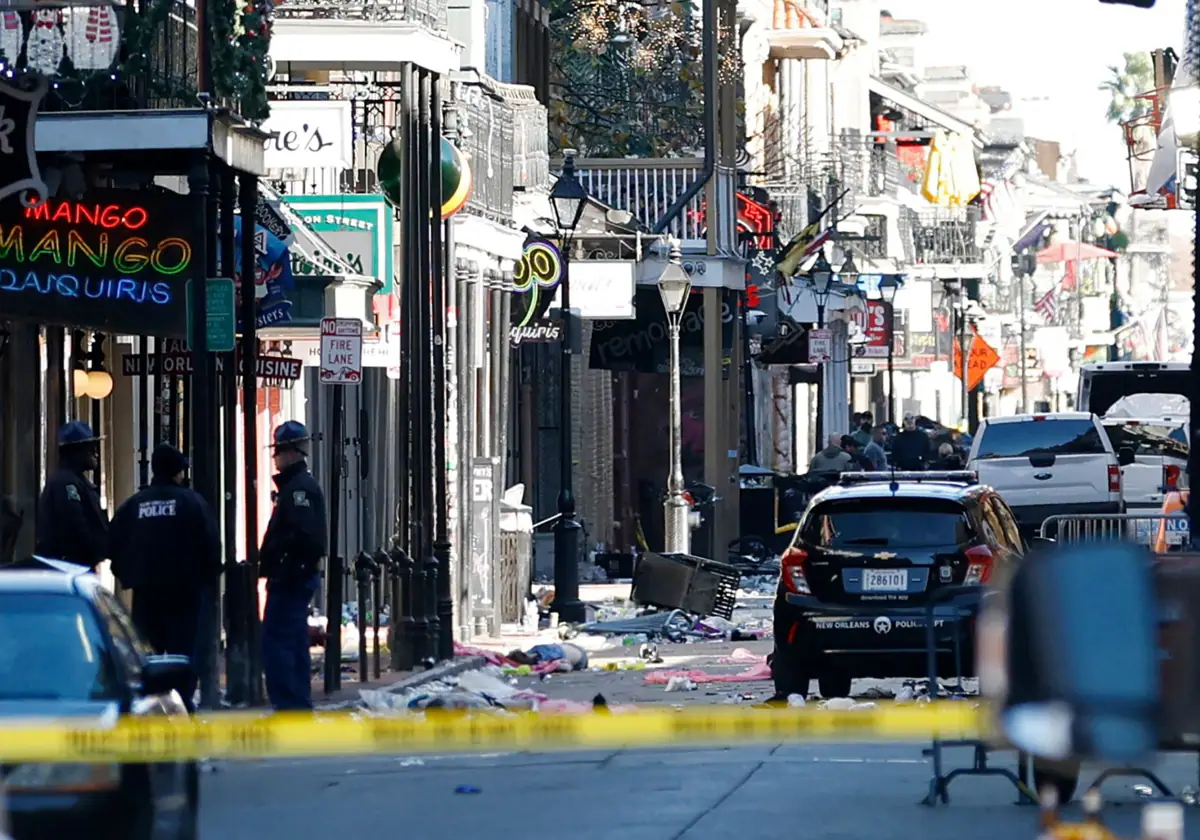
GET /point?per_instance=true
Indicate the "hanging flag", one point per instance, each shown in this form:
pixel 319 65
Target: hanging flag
pixel 1047 306
pixel 274 275
pixel 1070 276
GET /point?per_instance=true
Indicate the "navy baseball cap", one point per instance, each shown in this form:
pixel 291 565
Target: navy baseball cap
pixel 291 433
pixel 167 461
pixel 75 433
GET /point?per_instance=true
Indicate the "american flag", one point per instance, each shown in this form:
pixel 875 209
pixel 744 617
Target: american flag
pixel 1047 305
pixel 996 197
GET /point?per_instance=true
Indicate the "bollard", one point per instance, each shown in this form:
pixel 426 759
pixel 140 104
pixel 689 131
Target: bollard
pixel 433 623
pixel 363 570
pixel 403 621
pixel 378 587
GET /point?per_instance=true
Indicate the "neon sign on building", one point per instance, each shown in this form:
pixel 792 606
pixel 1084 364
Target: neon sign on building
pixel 117 260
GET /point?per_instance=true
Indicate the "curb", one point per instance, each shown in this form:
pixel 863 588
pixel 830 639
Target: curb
pixel 441 671
pixel 449 668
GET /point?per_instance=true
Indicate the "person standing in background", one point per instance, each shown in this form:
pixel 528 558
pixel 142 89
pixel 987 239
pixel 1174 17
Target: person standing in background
pixel 290 560
pixel 911 450
pixel 71 525
pixel 166 547
pixel 874 451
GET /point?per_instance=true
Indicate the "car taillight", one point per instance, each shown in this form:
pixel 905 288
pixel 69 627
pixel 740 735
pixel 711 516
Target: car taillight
pixel 979 565
pixel 792 570
pixel 1171 477
pixel 1114 478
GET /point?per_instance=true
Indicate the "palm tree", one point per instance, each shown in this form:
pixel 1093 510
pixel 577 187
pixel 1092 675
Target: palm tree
pixel 1124 86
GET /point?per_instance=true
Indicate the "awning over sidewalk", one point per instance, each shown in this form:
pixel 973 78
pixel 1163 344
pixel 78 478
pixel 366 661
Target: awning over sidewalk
pixel 935 115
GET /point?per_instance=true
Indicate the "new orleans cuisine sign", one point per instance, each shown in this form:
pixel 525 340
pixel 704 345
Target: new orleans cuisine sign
pixel 117 260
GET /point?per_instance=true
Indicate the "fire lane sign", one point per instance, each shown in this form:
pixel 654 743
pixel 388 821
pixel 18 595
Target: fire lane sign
pixel 341 351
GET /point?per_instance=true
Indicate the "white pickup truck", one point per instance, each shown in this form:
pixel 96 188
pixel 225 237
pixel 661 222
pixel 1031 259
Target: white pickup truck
pixel 1048 464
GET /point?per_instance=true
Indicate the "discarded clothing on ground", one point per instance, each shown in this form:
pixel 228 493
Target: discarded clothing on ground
pixel 761 671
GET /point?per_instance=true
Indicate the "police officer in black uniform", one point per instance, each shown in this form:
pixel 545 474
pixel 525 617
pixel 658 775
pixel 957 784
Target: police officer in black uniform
pixel 290 561
pixel 70 523
pixel 165 546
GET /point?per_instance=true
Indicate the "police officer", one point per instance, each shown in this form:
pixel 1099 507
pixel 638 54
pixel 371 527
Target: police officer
pixel 71 524
pixel 290 560
pixel 166 547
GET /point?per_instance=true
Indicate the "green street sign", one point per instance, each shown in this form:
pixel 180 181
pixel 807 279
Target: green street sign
pixel 221 326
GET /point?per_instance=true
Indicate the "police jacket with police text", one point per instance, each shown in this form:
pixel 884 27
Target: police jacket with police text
pixel 70 523
pixel 165 536
pixel 296 539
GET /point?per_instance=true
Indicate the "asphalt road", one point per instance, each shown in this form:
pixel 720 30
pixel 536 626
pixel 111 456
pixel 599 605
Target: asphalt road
pixel 824 791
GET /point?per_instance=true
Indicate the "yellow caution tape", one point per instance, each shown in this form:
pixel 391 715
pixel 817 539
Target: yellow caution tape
pixel 256 736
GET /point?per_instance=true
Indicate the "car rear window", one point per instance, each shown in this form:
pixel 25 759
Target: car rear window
pixel 53 649
pixel 1061 437
pixel 1147 439
pixel 855 524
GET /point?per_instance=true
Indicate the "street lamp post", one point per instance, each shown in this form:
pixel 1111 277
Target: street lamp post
pixel 888 286
pixel 567 199
pixel 953 291
pixel 821 275
pixel 674 286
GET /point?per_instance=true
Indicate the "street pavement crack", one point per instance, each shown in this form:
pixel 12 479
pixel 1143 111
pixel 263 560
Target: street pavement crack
pixel 692 823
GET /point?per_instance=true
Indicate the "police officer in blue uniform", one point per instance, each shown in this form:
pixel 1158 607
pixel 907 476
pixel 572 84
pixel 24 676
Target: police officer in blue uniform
pixel 290 561
pixel 165 545
pixel 71 525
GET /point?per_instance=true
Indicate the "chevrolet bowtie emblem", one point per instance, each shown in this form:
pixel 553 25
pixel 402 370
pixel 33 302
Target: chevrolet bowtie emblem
pixel 884 555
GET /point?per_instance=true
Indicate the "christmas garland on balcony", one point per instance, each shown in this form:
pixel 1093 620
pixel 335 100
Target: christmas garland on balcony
pixel 241 38
pixel 95 57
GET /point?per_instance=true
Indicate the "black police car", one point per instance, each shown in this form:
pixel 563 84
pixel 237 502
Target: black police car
pixel 70 651
pixel 878 545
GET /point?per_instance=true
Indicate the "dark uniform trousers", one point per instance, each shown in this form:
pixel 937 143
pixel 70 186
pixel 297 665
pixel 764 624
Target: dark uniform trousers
pixel 290 559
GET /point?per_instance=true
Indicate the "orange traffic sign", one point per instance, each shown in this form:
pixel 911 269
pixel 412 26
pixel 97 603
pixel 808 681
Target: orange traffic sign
pixel 982 359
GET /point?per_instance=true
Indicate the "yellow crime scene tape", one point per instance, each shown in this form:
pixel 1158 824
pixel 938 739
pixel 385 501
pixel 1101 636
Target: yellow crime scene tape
pixel 259 736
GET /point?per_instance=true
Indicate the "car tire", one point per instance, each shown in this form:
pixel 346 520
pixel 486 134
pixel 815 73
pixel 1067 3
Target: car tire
pixel 1062 776
pixel 834 684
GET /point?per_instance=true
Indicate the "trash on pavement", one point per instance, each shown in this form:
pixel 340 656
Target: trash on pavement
pixel 740 656
pixel 681 683
pixel 796 700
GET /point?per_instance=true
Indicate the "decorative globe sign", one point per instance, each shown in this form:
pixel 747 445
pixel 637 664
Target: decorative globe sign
pixel 456 175
pixel 456 179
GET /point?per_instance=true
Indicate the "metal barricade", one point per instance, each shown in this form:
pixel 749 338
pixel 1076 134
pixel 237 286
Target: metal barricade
pixel 1162 532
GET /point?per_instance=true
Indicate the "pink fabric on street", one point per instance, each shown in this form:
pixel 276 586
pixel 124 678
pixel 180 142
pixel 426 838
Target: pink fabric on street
pixel 761 671
pixel 740 656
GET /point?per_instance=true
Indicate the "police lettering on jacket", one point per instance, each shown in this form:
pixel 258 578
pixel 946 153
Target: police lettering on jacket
pixel 150 510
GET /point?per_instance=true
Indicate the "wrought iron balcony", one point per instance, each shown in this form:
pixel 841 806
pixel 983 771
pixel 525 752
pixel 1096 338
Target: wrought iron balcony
pixel 489 118
pixel 944 235
pixel 648 187
pixel 867 165
pixel 801 29
pixel 107 58
pixel 431 13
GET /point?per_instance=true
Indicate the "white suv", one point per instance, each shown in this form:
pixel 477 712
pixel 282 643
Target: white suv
pixel 1048 464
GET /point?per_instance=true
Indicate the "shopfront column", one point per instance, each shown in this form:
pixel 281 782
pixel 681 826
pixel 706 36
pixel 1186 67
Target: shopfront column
pixel 21 434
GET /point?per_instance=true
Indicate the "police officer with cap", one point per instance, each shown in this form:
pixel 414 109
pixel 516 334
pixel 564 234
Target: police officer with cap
pixel 70 522
pixel 166 547
pixel 290 560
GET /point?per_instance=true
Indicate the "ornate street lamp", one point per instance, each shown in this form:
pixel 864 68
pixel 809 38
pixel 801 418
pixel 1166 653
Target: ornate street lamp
pixel 674 287
pixel 568 199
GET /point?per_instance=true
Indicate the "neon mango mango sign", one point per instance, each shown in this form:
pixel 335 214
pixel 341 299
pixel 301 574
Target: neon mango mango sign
pixel 118 259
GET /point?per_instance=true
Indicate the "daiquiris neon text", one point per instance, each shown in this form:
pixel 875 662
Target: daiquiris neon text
pixel 90 252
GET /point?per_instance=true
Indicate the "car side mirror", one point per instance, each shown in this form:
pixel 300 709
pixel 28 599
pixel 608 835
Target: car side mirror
pixel 1126 455
pixel 162 674
pixel 1081 655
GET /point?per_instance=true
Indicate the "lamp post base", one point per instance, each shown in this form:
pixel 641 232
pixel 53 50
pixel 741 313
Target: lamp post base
pixel 568 538
pixel 676 517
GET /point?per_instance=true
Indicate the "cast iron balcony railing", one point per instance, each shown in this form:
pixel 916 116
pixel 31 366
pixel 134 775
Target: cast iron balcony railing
pixel 944 236
pixel 647 187
pixel 430 13
pixel 867 165
pixel 489 119
pixel 107 58
pixel 531 136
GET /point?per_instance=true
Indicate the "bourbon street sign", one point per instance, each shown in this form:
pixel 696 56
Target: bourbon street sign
pixel 115 260
pixel 19 101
